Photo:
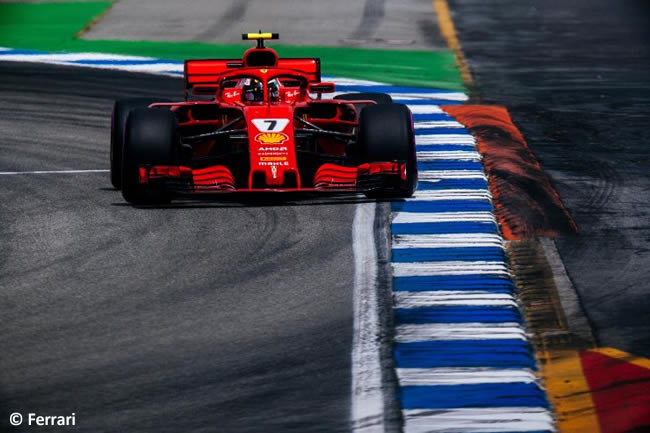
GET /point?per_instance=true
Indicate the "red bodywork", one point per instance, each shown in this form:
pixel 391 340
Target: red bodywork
pixel 291 140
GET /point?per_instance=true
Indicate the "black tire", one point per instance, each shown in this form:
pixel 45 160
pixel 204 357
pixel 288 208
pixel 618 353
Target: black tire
pixel 150 137
pixel 121 110
pixel 386 134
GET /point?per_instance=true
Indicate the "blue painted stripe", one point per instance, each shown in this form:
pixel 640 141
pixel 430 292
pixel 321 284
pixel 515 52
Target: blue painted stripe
pixel 456 314
pixel 445 147
pixel 123 62
pixel 390 89
pixel 405 255
pixel 20 52
pixel 443 227
pixel 453 184
pixel 450 165
pixel 453 282
pixel 431 116
pixel 465 353
pixel 478 395
pixel 442 206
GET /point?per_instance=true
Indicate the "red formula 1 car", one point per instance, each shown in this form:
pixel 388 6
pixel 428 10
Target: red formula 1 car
pixel 261 124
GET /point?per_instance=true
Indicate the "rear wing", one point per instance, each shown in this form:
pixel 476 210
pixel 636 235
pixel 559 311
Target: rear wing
pixel 208 72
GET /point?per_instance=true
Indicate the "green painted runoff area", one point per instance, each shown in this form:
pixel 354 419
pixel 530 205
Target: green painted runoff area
pixel 54 27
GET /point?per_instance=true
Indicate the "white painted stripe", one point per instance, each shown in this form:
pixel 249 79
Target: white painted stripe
pixel 351 82
pixel 450 96
pixel 450 194
pixel 459 331
pixel 367 396
pixel 433 175
pixel 460 155
pixel 417 269
pixel 452 298
pixel 445 139
pixel 456 240
pixel 71 57
pixel 53 172
pixel 478 420
pixel 157 68
pixel 425 109
pixel 437 124
pixel 463 376
pixel 429 217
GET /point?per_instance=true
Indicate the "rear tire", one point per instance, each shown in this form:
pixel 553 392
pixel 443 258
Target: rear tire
pixel 150 138
pixel 121 110
pixel 386 134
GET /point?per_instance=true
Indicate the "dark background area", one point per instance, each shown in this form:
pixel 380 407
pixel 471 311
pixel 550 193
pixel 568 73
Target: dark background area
pixel 575 76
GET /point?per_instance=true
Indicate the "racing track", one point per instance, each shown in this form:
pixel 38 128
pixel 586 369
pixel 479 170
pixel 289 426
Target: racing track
pixel 220 317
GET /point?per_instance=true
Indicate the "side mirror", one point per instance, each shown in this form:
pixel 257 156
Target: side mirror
pixel 322 88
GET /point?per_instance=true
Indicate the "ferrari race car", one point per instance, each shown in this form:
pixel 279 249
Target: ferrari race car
pixel 261 123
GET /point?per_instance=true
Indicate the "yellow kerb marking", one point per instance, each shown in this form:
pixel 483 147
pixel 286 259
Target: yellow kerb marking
pixel 569 392
pixel 448 31
pixel 623 356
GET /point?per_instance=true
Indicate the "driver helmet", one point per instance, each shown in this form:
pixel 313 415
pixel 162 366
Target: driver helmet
pixel 274 90
pixel 253 90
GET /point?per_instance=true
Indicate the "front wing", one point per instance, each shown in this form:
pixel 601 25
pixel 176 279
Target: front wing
pixel 329 177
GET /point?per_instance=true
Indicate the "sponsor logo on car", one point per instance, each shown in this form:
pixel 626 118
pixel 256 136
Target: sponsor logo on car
pixel 271 137
pixel 273 149
pixel 270 164
pixel 273 158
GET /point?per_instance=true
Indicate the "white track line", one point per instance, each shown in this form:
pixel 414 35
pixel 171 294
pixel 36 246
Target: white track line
pixel 450 194
pixel 478 420
pixel 437 124
pixel 462 376
pixel 425 109
pixel 479 267
pixel 465 139
pixel 457 240
pixel 367 396
pixel 426 175
pixel 428 217
pixel 452 298
pixel 5 173
pixel 450 96
pixel 459 331
pixel 458 155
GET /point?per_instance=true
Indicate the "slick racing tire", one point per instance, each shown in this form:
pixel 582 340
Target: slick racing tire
pixel 386 134
pixel 121 110
pixel 379 98
pixel 150 138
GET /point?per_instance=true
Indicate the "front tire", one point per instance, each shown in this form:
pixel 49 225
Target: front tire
pixel 150 138
pixel 121 110
pixel 386 134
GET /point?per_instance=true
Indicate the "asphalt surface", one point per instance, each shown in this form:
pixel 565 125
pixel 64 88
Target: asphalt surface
pixel 205 317
pixel 574 75
pixel 393 24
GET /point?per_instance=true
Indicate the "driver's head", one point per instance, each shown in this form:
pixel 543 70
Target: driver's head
pixel 274 90
pixel 253 90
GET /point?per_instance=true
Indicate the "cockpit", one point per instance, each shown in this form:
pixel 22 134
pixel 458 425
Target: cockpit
pixel 249 89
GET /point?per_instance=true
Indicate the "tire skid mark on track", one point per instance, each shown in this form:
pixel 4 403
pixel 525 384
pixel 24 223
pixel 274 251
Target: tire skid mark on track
pixel 460 346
